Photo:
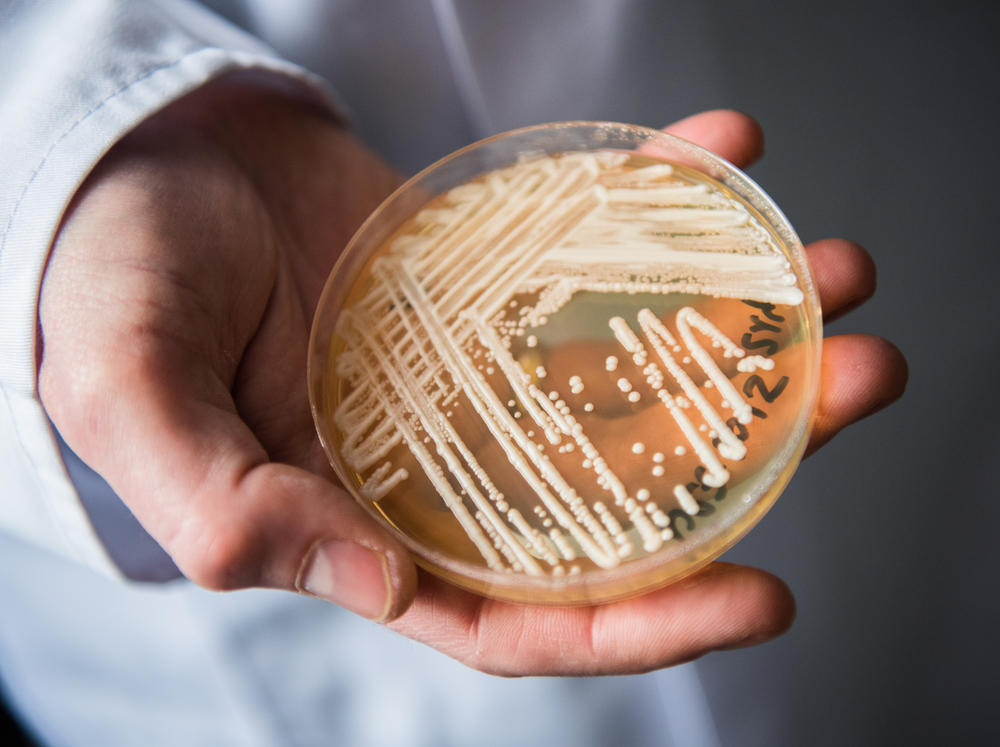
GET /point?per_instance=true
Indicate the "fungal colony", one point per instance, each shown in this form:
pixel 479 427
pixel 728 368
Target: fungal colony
pixel 565 364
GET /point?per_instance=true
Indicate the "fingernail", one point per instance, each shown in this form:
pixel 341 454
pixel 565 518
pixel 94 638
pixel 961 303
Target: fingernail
pixel 351 576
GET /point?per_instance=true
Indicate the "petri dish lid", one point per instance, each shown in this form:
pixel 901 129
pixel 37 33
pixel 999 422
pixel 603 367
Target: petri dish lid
pixel 569 363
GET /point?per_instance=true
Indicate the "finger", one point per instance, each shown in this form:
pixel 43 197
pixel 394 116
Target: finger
pixel 723 606
pixel 860 374
pixel 732 135
pixel 844 274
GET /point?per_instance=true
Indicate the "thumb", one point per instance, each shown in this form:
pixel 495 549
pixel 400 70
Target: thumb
pixel 200 483
pixel 144 406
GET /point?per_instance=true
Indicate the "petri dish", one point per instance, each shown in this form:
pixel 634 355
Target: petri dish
pixel 569 363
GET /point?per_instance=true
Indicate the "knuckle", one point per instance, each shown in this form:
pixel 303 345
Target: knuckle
pixel 221 556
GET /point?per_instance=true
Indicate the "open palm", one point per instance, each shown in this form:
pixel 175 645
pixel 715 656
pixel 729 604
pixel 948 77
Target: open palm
pixel 175 314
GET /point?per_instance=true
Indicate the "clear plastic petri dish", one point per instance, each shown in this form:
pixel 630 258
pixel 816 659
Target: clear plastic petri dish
pixel 569 363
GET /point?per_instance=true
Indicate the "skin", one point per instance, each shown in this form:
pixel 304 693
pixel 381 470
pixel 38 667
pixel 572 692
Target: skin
pixel 175 314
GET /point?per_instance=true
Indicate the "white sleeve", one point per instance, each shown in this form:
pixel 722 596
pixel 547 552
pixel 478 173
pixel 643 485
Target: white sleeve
pixel 74 78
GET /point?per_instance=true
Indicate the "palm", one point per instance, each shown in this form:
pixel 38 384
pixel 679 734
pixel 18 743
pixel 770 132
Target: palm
pixel 193 402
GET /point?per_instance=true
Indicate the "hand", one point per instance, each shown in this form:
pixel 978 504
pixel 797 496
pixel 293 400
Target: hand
pixel 175 315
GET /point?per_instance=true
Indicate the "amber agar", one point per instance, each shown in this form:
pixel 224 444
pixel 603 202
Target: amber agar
pixel 569 363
